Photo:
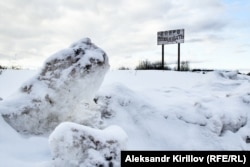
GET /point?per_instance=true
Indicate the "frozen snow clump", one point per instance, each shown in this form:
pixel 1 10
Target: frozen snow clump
pixel 246 98
pixel 233 75
pixel 72 145
pixel 68 80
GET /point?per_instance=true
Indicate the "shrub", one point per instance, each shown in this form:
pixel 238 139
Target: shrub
pixel 185 66
pixel 3 67
pixel 147 65
pixel 123 68
pixel 15 67
pixel 144 65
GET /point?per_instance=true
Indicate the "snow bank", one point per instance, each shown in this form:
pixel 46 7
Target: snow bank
pixel 184 111
pixel 76 145
pixel 66 83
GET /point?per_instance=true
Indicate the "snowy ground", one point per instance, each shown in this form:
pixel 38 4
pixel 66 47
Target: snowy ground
pixel 159 110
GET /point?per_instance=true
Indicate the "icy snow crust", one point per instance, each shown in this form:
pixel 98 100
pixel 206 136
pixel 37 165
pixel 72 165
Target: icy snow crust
pixel 68 80
pixel 148 110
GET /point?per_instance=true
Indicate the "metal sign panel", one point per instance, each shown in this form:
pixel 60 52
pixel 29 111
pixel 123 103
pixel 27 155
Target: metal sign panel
pixel 170 37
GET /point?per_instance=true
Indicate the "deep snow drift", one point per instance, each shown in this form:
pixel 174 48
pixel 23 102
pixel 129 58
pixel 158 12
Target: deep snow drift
pixel 68 80
pixel 158 110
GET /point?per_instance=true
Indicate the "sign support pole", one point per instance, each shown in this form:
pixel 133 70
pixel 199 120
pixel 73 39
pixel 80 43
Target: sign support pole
pixel 162 63
pixel 178 57
pixel 171 37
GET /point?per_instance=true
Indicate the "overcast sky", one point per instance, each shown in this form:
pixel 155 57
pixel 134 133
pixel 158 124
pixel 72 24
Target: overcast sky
pixel 216 31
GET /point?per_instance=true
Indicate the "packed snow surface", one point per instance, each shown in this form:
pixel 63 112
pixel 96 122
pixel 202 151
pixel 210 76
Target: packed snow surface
pixel 154 110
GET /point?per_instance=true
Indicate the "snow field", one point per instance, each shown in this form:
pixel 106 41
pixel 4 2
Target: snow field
pixel 156 110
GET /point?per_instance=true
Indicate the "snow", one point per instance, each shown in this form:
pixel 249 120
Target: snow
pixel 68 80
pixel 178 111
pixel 76 145
pixel 11 81
pixel 20 151
pixel 143 110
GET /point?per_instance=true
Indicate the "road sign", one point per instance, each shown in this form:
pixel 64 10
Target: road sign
pixel 170 37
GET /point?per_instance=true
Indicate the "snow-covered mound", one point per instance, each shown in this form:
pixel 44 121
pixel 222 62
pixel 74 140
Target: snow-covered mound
pixel 178 111
pixel 68 80
pixel 76 145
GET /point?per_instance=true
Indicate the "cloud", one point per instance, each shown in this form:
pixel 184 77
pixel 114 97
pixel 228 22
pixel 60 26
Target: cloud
pixel 123 28
pixel 193 40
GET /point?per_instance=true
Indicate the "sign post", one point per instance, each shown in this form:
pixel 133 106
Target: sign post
pixel 170 37
pixel 178 68
pixel 162 53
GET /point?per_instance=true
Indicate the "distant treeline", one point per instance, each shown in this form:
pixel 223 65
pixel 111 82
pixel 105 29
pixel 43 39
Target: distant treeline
pixel 147 65
pixel 11 67
pixel 3 67
pixel 184 66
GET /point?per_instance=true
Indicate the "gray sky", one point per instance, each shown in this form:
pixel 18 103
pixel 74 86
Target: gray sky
pixel 216 31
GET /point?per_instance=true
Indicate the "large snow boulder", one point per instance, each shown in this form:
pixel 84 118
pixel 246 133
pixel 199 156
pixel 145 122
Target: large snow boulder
pixel 67 82
pixel 77 145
